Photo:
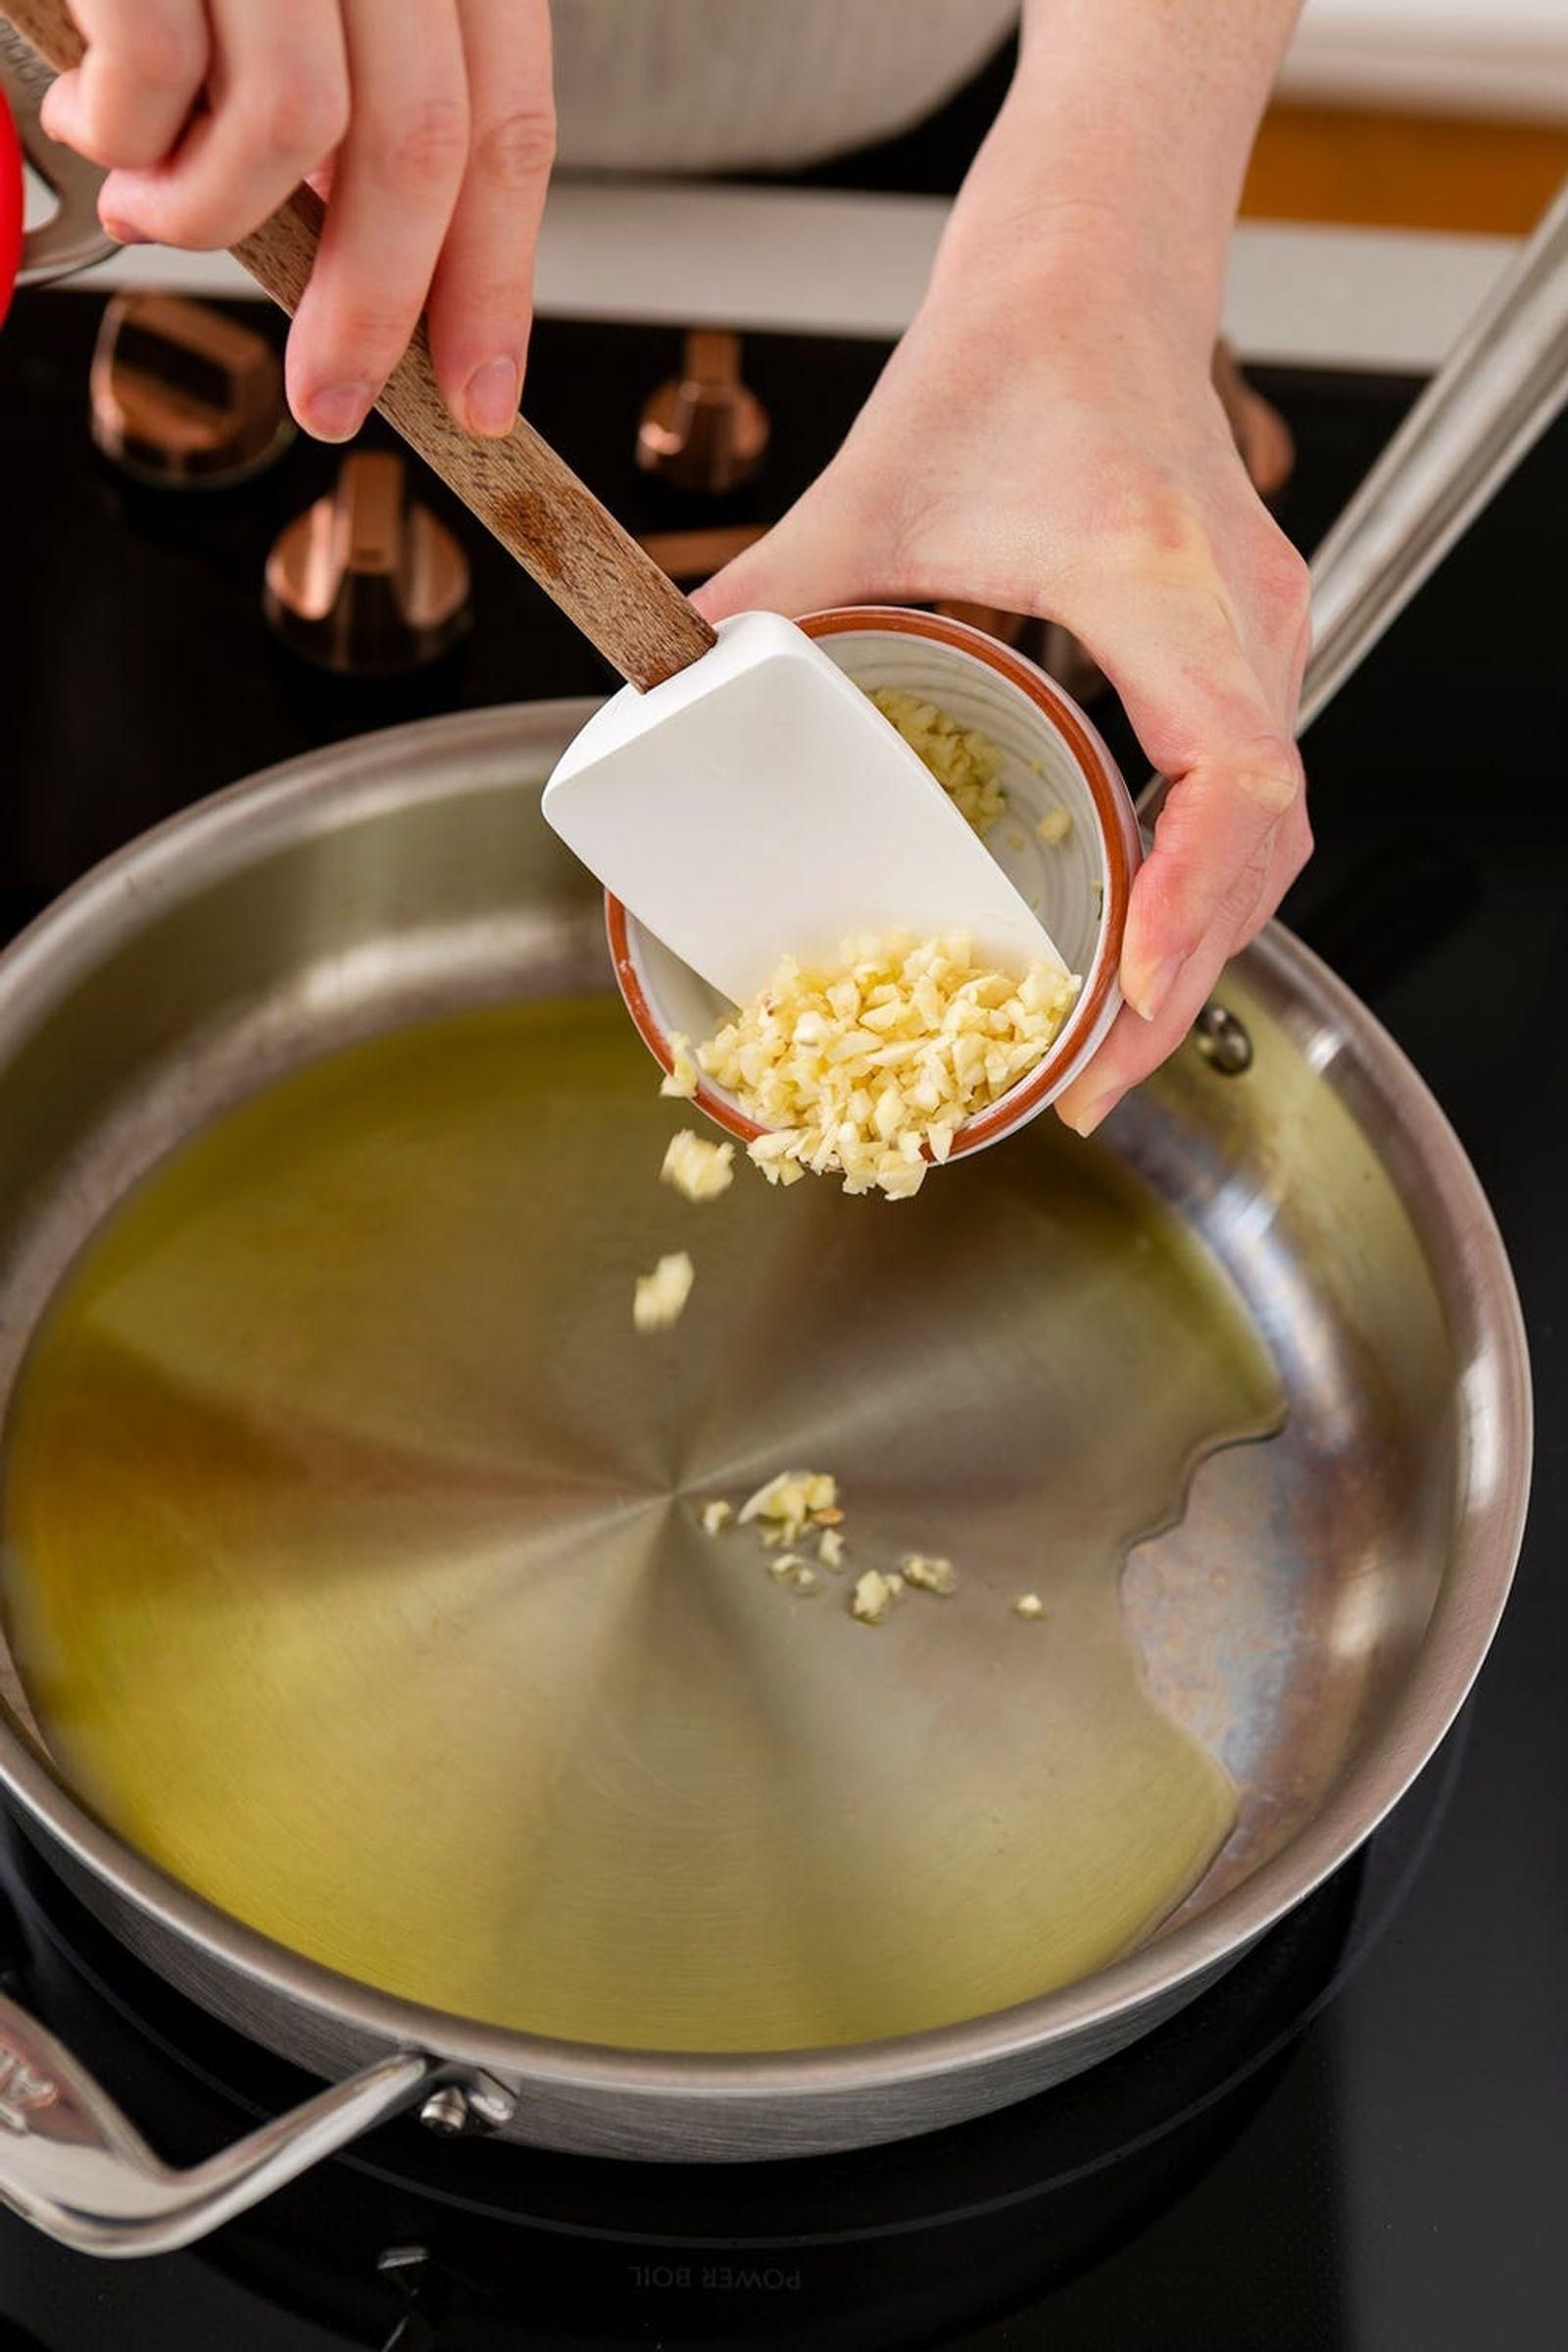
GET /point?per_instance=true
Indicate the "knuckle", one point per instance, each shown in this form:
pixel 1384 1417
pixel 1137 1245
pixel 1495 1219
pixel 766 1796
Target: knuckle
pixel 1269 775
pixel 201 223
pixel 1148 512
pixel 367 333
pixel 517 151
pixel 160 47
pixel 193 228
pixel 1287 579
pixel 1239 898
pixel 421 148
pixel 1303 842
pixel 305 118
pixel 96 135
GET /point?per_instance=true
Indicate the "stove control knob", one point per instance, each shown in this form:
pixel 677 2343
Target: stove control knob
pixel 182 394
pixel 704 429
pixel 364 581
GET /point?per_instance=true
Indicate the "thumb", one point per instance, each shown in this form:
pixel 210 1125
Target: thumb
pixel 809 560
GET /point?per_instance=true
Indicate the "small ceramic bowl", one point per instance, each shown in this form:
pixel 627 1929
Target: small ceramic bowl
pixel 1052 758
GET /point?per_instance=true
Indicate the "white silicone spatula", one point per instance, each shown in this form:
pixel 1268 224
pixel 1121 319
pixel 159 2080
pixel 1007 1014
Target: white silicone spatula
pixel 757 804
pixel 740 796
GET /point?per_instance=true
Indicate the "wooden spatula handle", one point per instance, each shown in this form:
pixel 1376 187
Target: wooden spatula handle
pixel 526 494
pixel 519 489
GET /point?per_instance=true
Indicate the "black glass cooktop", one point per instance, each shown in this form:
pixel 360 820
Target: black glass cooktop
pixel 1357 2141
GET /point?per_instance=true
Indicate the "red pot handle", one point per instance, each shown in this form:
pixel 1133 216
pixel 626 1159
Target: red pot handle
pixel 11 206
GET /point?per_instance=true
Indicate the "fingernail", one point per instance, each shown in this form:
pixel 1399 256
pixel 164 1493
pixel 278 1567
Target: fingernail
pixel 490 397
pixel 1150 1003
pixel 336 410
pixel 1085 1120
pixel 123 232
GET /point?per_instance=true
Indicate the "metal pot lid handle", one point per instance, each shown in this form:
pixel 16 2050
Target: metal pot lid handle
pixel 1490 402
pixel 72 2164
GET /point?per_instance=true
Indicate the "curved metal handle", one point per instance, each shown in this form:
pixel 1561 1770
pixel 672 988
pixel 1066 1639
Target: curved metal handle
pixel 1492 398
pixel 1495 394
pixel 73 238
pixel 72 2164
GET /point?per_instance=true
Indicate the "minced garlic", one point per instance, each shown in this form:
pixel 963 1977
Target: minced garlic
pixel 1029 1604
pixel 681 1079
pixel 864 1071
pixel 662 1294
pixel 872 1597
pixel 963 761
pixel 1053 827
pixel 697 1168
pixel 788 1502
pixel 930 1576
pixel 716 1517
pixel 830 1549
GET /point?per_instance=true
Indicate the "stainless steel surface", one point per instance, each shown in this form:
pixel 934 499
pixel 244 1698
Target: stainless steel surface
pixel 182 394
pixel 367 581
pixel 72 237
pixel 1488 405
pixel 427 1477
pixel 72 2164
pixel 1313 1612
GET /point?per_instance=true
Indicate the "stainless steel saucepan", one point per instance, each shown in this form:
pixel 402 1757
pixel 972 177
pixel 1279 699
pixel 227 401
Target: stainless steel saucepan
pixel 1311 1598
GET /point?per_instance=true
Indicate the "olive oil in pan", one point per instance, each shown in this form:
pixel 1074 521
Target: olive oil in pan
pixel 353 1566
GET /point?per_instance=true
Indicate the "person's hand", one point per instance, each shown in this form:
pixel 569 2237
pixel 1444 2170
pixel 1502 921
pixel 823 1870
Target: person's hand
pixel 1050 442
pixel 432 122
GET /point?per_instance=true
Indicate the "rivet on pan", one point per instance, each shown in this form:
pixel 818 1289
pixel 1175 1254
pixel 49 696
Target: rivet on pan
pixel 396 2261
pixel 1222 1041
pixel 458 2109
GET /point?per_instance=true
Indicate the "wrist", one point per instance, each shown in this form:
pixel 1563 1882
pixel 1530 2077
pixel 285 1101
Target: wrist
pixel 1047 214
pixel 1119 154
pixel 1073 264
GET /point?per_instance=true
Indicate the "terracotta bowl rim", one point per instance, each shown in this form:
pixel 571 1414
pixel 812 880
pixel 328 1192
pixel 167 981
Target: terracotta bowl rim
pixel 1120 848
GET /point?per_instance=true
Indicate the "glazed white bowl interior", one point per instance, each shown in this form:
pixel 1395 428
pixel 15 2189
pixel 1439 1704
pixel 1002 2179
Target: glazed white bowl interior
pixel 1065 884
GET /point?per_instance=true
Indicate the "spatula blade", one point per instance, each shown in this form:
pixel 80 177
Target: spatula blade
pixel 757 803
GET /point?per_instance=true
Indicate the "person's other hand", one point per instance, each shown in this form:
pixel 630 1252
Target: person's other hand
pixel 1053 443
pixel 429 124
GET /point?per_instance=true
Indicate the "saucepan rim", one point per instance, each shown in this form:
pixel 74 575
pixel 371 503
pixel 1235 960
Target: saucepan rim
pixel 345 784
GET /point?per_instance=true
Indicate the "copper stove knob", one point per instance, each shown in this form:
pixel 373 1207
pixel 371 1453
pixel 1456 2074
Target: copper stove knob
pixel 704 429
pixel 182 394
pixel 365 581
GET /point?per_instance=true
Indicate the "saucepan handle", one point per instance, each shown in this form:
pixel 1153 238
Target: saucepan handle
pixel 1492 398
pixel 71 2163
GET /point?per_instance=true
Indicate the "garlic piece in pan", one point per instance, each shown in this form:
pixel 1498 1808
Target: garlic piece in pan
pixel 873 1595
pixel 661 1295
pixel 786 1504
pixel 929 1575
